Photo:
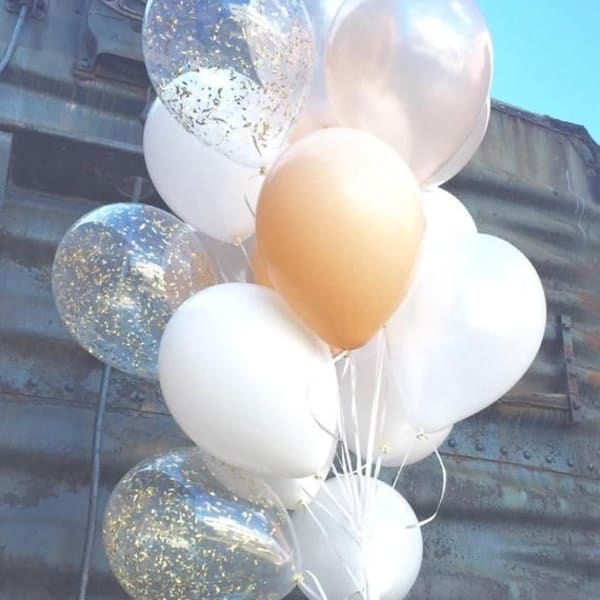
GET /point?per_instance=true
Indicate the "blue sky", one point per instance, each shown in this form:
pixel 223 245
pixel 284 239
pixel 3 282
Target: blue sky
pixel 547 57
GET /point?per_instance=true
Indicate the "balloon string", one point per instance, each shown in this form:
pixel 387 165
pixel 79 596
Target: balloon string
pixel 373 422
pixel 221 271
pixel 240 245
pixel 326 536
pixel 443 492
pixel 347 462
pixel 249 206
pixel 355 427
pixel 317 583
pixel 343 482
pixel 403 464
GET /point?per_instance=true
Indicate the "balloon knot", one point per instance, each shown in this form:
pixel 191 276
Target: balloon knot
pixel 299 579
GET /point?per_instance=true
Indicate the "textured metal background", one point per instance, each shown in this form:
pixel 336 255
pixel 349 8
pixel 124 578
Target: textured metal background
pixel 521 520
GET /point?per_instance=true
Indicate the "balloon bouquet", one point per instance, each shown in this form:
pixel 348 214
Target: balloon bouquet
pixel 379 317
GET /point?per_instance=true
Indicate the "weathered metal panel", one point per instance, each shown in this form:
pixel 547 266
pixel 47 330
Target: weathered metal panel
pixel 521 520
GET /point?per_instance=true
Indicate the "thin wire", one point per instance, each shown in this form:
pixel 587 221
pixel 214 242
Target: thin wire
pixel 90 529
pixel 12 44
pixel 94 484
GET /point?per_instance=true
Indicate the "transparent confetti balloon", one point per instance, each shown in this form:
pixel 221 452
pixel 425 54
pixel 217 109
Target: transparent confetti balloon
pixel 233 72
pixel 184 526
pixel 119 274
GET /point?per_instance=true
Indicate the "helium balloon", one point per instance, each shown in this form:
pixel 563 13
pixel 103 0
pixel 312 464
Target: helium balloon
pixel 395 441
pixel 184 526
pixel 468 331
pixel 459 160
pixel 317 112
pixel 119 274
pixel 236 350
pixel 417 76
pixel 232 73
pixel 445 216
pixel 339 226
pixel 294 493
pixel 378 556
pixel 206 189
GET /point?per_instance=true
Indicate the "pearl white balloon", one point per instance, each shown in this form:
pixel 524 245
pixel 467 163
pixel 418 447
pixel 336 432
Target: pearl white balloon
pixel 317 112
pixel 249 383
pixel 413 72
pixel 395 440
pixel 445 216
pixel 202 186
pixel 469 329
pixel 466 152
pixel 293 493
pixel 385 557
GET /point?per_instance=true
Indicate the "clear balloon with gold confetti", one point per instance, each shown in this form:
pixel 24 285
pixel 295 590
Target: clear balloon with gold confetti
pixel 185 526
pixel 234 73
pixel 119 274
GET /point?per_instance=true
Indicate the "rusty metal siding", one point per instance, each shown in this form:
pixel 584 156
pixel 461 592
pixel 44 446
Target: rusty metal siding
pixel 521 520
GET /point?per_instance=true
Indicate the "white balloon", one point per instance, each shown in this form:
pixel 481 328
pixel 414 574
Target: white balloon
pixel 202 186
pixel 395 440
pixel 317 112
pixel 293 493
pixel 248 382
pixel 383 553
pixel 416 76
pixel 469 329
pixel 445 216
pixel 459 160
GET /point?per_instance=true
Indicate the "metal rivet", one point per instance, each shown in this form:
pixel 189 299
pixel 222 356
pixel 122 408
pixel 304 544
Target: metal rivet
pixel 136 397
pixel 452 442
pixel 503 450
pixel 480 447
pixel 549 458
pixel 571 462
pixel 527 454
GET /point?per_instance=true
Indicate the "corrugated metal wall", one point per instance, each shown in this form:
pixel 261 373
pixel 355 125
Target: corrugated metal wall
pixel 521 519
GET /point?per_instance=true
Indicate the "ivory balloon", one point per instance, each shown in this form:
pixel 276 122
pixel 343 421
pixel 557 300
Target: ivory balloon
pixel 395 440
pixel 445 217
pixel 339 225
pixel 293 493
pixel 248 383
pixel 206 189
pixel 459 160
pixel 417 76
pixel 378 557
pixel 316 112
pixel 468 331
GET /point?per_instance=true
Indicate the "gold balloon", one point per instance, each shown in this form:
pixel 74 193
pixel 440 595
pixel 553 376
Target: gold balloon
pixel 339 225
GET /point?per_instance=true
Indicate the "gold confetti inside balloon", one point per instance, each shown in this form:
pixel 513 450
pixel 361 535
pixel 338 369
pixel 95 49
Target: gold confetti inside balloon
pixel 184 526
pixel 119 274
pixel 233 72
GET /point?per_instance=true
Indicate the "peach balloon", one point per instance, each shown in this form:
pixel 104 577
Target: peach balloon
pixel 339 224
